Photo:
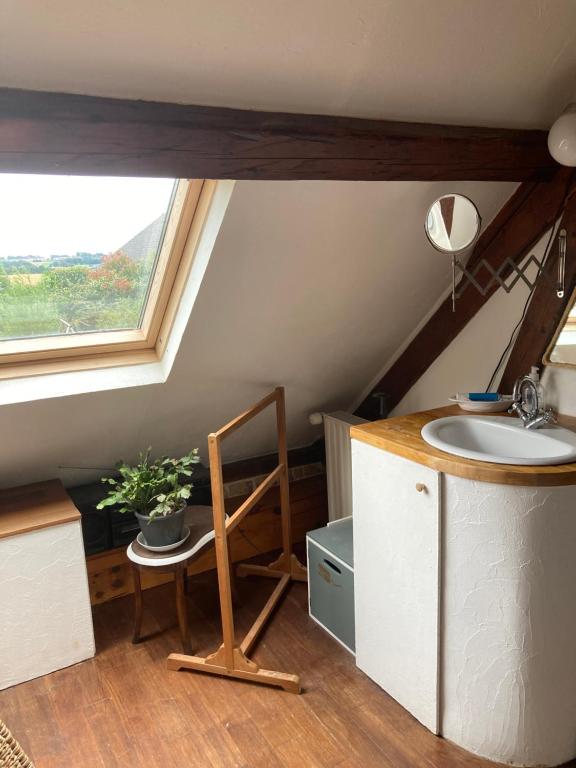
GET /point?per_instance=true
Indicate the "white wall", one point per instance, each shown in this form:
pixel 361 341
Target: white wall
pixel 560 389
pixel 311 284
pixel 467 364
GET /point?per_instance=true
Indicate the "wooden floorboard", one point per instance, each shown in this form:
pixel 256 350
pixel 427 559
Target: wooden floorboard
pixel 124 708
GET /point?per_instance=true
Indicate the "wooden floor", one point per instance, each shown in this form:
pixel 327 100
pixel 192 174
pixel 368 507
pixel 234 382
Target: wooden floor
pixel 124 708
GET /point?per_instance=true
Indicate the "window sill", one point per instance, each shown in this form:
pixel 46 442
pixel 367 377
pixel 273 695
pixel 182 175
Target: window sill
pixel 47 385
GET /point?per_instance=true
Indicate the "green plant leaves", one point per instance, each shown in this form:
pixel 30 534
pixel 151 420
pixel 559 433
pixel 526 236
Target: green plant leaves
pixel 153 488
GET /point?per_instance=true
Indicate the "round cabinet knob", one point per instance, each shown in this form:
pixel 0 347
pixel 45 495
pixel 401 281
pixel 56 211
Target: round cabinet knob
pixel 421 488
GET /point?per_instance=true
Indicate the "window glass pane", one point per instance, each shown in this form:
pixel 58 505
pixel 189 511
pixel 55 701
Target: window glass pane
pixel 77 253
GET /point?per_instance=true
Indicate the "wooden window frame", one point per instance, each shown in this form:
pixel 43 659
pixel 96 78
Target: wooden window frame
pixel 104 349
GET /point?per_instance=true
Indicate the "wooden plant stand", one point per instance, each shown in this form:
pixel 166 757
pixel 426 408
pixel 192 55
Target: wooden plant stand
pixel 232 658
pixel 200 521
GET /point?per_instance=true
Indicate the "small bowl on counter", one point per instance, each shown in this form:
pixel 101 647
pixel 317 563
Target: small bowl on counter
pixel 482 406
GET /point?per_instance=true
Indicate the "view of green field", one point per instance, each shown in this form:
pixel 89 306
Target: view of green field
pixel 75 257
pixel 73 299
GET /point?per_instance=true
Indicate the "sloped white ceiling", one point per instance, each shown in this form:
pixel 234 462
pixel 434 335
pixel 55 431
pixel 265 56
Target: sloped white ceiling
pixel 475 62
pixel 314 285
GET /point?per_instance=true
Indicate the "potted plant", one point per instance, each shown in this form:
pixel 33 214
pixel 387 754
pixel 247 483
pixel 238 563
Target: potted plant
pixel 156 492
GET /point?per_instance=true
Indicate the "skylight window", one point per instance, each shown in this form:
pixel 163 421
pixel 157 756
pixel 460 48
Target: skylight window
pixel 91 265
pixel 78 254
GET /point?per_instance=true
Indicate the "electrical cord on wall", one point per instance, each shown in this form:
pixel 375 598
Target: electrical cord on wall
pixel 511 341
pixel 514 333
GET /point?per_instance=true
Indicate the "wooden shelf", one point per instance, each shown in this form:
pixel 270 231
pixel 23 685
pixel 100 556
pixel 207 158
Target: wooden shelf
pixel 31 507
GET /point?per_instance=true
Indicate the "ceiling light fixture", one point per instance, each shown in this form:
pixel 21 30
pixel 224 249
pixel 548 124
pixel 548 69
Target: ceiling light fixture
pixel 562 137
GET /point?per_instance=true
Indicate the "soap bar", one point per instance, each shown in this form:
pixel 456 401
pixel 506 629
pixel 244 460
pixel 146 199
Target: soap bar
pixel 486 397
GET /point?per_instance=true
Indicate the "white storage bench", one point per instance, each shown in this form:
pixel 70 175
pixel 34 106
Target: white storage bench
pixel 45 614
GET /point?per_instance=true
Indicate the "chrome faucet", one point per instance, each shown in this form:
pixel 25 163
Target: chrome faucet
pixel 526 404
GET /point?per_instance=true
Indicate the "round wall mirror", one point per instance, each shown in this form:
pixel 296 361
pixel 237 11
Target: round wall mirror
pixel 453 223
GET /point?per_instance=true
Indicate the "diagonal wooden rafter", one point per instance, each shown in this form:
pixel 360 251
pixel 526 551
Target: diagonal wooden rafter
pixel 529 213
pixel 545 310
pixel 65 133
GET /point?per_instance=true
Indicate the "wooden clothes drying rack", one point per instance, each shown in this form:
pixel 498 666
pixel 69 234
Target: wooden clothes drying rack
pixel 231 658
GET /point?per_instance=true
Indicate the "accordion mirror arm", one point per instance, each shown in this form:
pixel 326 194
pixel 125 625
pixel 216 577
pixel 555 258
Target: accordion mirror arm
pixel 452 226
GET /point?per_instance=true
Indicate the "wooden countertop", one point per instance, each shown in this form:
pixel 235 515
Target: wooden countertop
pixel 401 436
pixel 31 507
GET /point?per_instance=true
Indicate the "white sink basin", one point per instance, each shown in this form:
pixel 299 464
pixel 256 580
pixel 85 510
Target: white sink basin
pixel 501 440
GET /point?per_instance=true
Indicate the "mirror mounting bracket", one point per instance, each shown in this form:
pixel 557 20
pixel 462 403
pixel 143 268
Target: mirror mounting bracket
pixel 451 235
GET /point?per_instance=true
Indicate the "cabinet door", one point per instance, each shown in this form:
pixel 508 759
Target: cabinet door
pixel 396 565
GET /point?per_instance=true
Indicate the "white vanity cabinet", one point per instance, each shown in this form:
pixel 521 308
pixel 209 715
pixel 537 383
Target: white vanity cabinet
pixel 396 505
pixel 464 577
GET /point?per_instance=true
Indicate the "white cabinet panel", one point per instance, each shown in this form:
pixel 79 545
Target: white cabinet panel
pixel 45 614
pixel 396 556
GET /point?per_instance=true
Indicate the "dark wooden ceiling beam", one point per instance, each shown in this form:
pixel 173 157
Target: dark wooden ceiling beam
pixel 65 133
pixel 545 310
pixel 519 225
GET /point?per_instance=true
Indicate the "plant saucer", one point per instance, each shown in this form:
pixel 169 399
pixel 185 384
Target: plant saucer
pixel 167 547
